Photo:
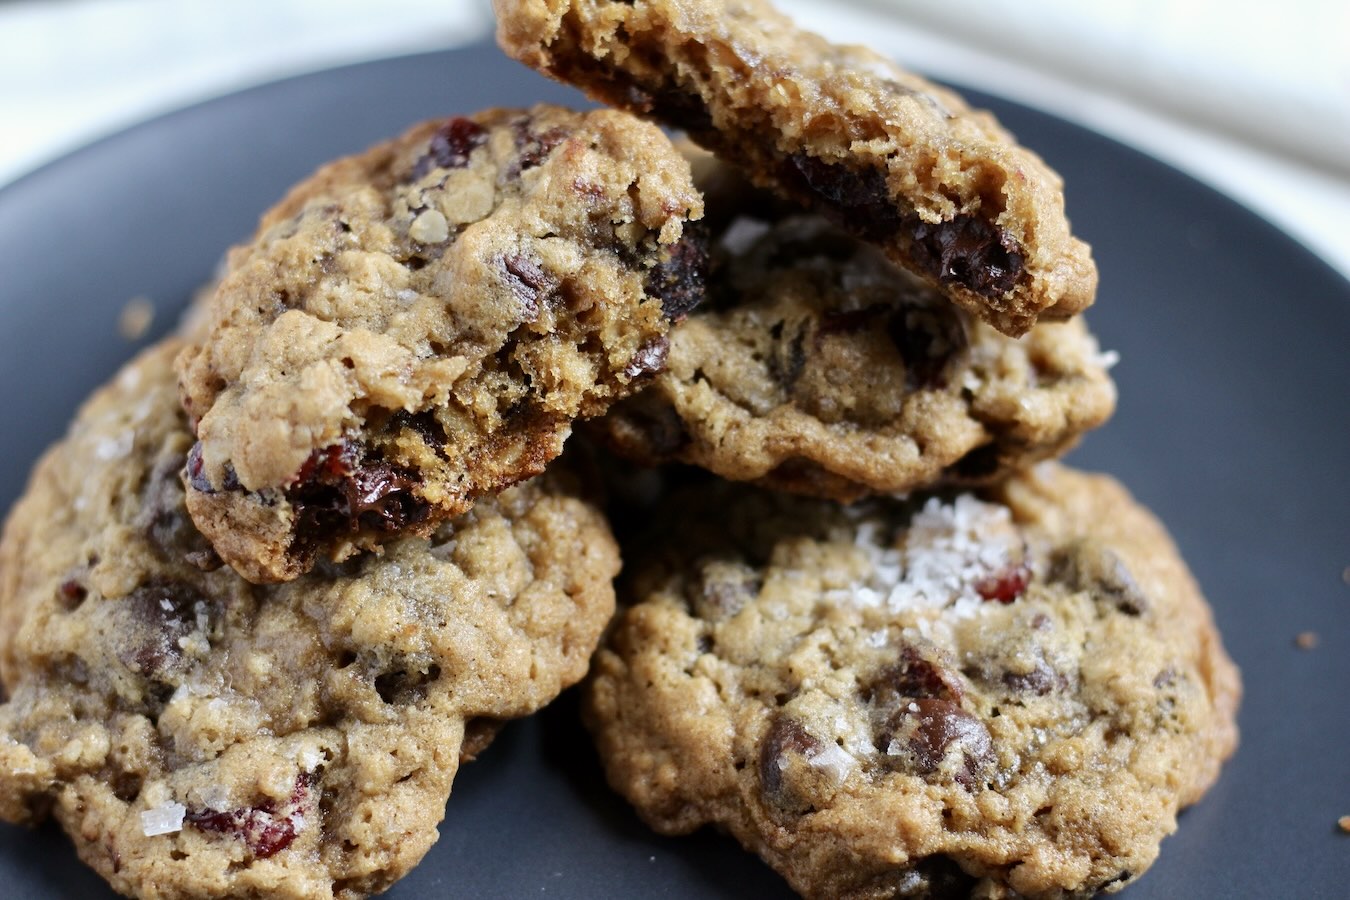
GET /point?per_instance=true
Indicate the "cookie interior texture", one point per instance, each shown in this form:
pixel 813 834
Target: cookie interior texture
pixel 816 365
pixel 841 130
pixel 197 735
pixel 998 694
pixel 418 326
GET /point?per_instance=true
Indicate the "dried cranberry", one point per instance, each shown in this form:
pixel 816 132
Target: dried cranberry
pixel 786 737
pixel 528 281
pixel 71 594
pixel 932 729
pixel 328 464
pixel 1005 585
pixel 196 473
pixel 451 146
pixel 264 828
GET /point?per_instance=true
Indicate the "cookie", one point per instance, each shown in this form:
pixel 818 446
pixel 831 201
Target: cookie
pixel 418 326
pixel 944 189
pixel 817 366
pixel 199 736
pixel 1000 694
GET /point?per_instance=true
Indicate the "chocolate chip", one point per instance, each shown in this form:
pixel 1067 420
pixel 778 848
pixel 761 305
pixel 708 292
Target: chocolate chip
pixel 916 674
pixel 1041 680
pixel 126 786
pixel 965 250
pixel 649 358
pixel 451 146
pixel 679 280
pixel 849 321
pixel 528 281
pixel 426 426
pixel 785 739
pixel 936 877
pixel 163 518
pixel 532 148
pixel 649 430
pixel 337 492
pixel 968 251
pixel 1119 879
pixel 857 199
pixel 928 339
pixel 382 493
pixel 266 828
pixel 723 589
pixel 152 620
pixel 930 731
pixel 787 359
pixel 1090 566
pixel 681 109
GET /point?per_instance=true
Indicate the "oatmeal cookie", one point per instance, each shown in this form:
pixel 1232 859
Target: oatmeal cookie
pixel 944 189
pixel 418 326
pixel 1008 693
pixel 199 736
pixel 817 366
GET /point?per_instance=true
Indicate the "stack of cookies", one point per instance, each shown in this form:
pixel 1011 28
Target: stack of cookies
pixel 297 563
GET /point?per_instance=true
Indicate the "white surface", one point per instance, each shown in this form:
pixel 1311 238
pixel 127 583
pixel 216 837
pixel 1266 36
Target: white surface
pixel 1248 97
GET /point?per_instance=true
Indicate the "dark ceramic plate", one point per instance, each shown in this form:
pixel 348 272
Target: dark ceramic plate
pixel 1234 425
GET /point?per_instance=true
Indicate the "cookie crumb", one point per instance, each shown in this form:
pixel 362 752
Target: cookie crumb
pixel 1306 640
pixel 1344 822
pixel 134 320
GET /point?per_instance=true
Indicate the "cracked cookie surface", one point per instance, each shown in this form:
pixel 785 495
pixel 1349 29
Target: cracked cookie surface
pixel 1001 694
pixel 199 736
pixel 419 325
pixel 944 189
pixel 817 366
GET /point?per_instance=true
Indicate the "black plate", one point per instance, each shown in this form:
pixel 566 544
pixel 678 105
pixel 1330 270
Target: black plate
pixel 1233 426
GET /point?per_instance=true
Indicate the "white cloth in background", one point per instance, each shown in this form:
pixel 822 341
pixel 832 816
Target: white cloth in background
pixel 1249 97
pixel 1277 73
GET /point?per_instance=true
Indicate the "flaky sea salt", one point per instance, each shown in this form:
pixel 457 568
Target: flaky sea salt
pixel 938 561
pixel 110 448
pixel 834 761
pixel 310 758
pixel 742 233
pixel 165 819
pixel 1107 359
